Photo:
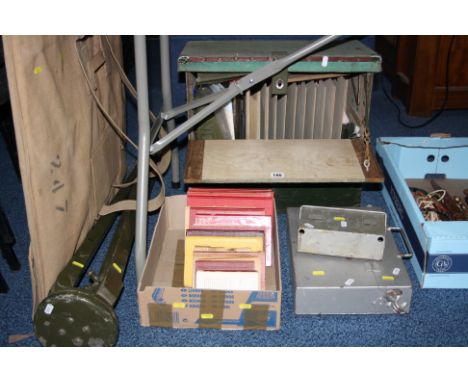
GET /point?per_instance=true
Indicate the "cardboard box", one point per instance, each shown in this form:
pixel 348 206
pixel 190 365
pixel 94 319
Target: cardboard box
pixel 165 302
pixel 440 247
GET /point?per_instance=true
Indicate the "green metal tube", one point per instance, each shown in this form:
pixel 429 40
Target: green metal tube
pixel 110 279
pixel 73 272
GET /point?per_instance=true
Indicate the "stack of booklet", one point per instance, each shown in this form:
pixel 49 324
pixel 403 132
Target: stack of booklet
pixel 228 238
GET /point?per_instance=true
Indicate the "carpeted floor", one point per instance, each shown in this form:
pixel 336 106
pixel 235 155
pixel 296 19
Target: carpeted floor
pixel 437 317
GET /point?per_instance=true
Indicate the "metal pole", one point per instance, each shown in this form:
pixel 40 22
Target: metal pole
pixel 167 103
pixel 169 114
pixel 143 153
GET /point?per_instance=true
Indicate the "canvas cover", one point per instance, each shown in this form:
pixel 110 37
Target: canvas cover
pixel 69 155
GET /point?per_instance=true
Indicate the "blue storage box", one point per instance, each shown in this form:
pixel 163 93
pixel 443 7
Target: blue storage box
pixel 440 247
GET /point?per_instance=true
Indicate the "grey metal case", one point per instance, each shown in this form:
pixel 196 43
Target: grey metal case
pixel 334 285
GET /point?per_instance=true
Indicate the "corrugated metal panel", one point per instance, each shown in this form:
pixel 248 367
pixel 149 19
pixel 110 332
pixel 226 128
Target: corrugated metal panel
pixel 301 108
pixel 340 104
pixel 310 109
pixel 253 114
pixel 291 111
pixel 273 116
pixel 329 108
pixel 312 87
pixel 265 113
pixel 320 110
pixel 281 116
pixel 247 114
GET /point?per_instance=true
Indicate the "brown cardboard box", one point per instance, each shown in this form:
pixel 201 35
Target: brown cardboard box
pixel 165 302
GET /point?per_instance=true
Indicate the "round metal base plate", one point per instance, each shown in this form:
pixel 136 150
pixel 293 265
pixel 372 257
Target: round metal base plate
pixel 75 317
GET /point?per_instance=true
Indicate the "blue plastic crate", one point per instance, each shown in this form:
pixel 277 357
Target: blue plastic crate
pixel 440 248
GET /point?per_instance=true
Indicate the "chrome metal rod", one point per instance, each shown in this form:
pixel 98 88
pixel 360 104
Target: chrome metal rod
pixel 169 114
pixel 198 117
pixel 239 87
pixel 143 153
pixel 167 101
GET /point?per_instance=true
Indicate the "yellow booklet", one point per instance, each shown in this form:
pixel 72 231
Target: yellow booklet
pixel 252 243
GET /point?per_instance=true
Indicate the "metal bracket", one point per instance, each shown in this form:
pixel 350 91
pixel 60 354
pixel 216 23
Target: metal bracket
pixel 393 297
pixel 409 248
pixel 280 83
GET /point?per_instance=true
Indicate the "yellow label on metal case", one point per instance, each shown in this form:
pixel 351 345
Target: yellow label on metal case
pixel 116 267
pixel 318 273
pixel 339 218
pixel 77 264
pixel 207 316
pixel 178 305
pixel 245 306
pixel 388 278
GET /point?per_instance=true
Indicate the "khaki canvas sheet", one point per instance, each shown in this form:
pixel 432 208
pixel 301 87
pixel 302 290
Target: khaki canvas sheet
pixel 69 155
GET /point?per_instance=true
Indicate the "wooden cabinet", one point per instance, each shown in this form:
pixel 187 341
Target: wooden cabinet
pixel 416 66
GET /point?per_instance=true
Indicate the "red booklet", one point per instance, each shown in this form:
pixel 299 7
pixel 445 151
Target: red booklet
pixel 191 212
pixel 235 198
pixel 193 190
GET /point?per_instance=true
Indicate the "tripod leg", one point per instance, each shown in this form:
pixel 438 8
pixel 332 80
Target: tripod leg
pixel 3 285
pixel 7 240
pixel 10 257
